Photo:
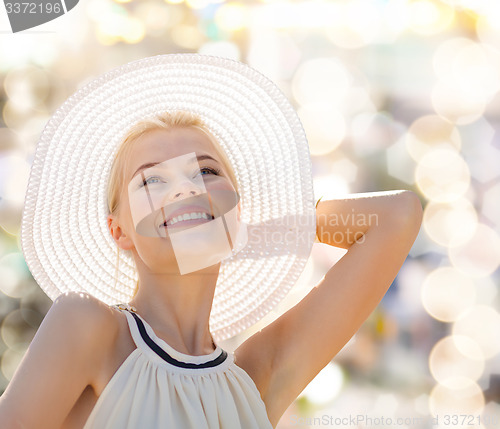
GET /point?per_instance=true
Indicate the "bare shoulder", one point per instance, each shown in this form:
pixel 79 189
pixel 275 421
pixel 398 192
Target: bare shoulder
pixel 67 354
pixel 93 323
pixel 84 315
pixel 81 303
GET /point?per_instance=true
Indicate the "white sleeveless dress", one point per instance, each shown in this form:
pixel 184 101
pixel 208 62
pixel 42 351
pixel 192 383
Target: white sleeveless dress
pixel 159 387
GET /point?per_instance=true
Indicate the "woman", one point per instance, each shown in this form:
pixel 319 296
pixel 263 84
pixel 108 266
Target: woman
pixel 216 142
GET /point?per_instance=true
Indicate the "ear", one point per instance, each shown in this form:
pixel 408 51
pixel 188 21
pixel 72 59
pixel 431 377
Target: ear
pixel 119 235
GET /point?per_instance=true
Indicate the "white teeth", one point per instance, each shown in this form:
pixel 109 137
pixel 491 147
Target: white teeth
pixel 187 216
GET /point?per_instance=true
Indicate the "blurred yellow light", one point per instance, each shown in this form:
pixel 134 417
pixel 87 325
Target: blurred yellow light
pixel 156 17
pixel 478 6
pixel 115 24
pixel 481 323
pixel 456 105
pixel 464 398
pixel 26 87
pixel 479 256
pixel 374 131
pixel 469 76
pixel 490 207
pixel 326 386
pixel 187 36
pixel 396 17
pixel 134 31
pixel 447 363
pixel 276 15
pixel 324 125
pixel 364 18
pixel 314 14
pixel 442 175
pixel 17 52
pixel 450 224
pixel 486 290
pixel 345 37
pixel 429 131
pixel 10 362
pixel 331 186
pixel 357 23
pixel 430 16
pixel 198 4
pixel 14 175
pixel 447 293
pixel 399 164
pixel 321 80
pixel 267 43
pixel 221 49
pixel 10 280
pixel 357 100
pixel 345 168
pixel 424 14
pixel 232 16
pixel 476 70
pixel 174 1
pixel 488 24
pixel 123 1
pixel 9 139
pixel 107 12
pixel 445 54
pixel 105 39
pixel 422 404
pixel 16 332
pixel 12 117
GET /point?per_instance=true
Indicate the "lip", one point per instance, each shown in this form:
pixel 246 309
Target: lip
pixel 186 223
pixel 184 210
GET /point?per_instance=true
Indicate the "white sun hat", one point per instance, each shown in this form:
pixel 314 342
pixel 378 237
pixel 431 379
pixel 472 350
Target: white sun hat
pixel 64 234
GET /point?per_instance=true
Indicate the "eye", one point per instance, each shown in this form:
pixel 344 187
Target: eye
pixel 150 180
pixel 210 170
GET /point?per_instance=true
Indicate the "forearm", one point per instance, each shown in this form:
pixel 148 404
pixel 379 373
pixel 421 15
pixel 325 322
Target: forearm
pixel 343 221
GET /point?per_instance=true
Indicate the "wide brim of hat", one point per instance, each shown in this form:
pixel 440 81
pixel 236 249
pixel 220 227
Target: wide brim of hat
pixel 64 233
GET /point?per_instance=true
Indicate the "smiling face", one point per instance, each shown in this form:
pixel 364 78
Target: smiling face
pixel 179 207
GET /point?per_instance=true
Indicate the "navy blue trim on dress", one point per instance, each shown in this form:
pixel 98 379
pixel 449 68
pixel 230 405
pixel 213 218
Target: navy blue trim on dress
pixel 165 356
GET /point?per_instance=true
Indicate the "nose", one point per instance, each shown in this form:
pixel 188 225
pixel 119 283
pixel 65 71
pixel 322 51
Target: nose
pixel 185 189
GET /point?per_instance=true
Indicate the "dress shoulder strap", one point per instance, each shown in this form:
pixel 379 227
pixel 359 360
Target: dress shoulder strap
pixel 125 306
pixel 132 324
pixel 146 339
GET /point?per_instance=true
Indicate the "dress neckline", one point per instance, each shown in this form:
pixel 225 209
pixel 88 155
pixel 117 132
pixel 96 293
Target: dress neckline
pixel 165 350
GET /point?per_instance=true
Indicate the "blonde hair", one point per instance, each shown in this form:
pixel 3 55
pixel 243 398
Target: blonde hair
pixel 163 121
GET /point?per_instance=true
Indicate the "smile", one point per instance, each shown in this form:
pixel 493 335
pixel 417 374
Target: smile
pixel 186 219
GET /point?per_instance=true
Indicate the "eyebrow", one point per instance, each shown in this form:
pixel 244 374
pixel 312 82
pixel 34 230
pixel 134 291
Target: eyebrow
pixel 152 164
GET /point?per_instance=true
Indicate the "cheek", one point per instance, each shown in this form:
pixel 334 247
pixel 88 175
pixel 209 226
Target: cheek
pixel 222 196
pixel 139 206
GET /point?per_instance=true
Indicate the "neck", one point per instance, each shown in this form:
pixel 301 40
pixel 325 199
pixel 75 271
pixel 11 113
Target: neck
pixel 178 307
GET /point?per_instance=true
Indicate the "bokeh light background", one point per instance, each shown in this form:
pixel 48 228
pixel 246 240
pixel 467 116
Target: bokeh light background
pixel 393 94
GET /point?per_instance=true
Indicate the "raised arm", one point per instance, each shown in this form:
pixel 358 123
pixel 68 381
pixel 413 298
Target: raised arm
pixel 59 364
pixel 378 229
pixel 341 222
